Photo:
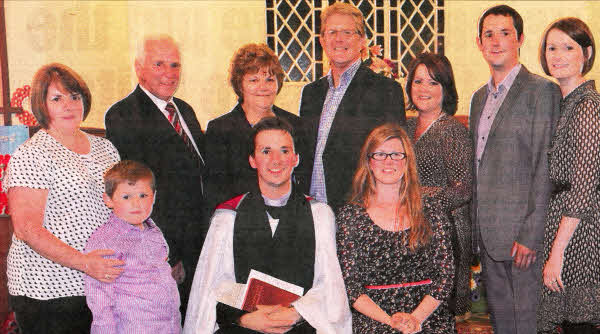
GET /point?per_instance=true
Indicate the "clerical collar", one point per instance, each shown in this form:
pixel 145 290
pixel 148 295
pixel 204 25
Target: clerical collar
pixel 278 201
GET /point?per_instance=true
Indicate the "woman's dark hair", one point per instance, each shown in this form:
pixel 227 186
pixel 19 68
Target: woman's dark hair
pixel 440 70
pixel 250 58
pixel 270 123
pixel 578 31
pixel 67 78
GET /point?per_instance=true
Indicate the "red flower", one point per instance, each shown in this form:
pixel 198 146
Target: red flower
pixel 375 50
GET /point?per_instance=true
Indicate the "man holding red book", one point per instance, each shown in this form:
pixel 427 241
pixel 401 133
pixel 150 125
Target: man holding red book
pixel 279 232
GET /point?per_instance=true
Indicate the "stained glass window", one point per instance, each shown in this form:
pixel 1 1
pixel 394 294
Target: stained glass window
pixel 403 28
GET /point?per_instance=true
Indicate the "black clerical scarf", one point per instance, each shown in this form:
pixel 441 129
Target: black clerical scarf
pixel 289 254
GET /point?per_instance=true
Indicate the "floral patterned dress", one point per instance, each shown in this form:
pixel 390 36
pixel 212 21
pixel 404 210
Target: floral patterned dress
pixel 574 168
pixel 445 162
pixel 370 255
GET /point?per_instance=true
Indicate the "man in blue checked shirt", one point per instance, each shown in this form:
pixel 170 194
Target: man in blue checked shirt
pixel 341 108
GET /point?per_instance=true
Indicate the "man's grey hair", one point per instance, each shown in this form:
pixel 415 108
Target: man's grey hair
pixel 140 54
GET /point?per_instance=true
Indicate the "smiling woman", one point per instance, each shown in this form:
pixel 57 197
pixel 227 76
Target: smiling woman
pixel 394 248
pixel 444 157
pixel 54 183
pixel 570 293
pixel 256 77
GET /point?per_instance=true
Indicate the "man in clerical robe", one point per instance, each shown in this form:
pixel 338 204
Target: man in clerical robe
pixel 279 232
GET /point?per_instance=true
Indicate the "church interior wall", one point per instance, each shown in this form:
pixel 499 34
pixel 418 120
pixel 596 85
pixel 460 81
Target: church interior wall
pixel 98 39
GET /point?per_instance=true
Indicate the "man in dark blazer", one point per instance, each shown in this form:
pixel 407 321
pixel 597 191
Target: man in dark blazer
pixel 140 128
pixel 340 109
pixel 511 122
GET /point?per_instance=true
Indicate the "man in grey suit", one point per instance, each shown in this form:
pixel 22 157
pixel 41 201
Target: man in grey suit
pixel 511 122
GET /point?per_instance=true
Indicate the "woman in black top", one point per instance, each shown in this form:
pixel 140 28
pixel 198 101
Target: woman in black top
pixel 256 77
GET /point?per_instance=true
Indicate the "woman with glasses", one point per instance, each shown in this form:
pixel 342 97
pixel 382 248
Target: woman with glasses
pixel 394 250
pixel 444 159
pixel 256 78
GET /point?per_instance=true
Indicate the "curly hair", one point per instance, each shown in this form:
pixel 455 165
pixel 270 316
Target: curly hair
pixel 250 58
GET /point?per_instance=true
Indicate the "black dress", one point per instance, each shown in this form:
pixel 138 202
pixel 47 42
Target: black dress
pixel 444 161
pixel 227 142
pixel 574 168
pixel 370 255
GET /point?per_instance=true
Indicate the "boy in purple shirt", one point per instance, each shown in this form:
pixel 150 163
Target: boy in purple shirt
pixel 144 298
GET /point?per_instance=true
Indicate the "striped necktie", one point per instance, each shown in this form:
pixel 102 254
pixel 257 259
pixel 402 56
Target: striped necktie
pixel 176 123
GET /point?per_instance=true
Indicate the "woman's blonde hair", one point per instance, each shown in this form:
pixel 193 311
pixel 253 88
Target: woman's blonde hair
pixel 363 182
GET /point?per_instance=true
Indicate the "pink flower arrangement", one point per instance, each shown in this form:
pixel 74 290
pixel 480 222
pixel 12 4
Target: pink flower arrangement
pixel 372 57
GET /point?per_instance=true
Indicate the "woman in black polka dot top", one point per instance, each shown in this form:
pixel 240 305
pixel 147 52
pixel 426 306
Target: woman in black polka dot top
pixel 55 185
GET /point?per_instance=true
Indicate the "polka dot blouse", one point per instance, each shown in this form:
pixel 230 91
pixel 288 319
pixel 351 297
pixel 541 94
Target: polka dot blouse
pixel 74 209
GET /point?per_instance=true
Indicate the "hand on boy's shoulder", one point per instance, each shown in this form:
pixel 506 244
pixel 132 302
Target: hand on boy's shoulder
pixel 178 272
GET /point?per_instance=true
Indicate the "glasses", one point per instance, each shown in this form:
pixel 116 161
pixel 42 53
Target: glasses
pixel 345 33
pixel 381 156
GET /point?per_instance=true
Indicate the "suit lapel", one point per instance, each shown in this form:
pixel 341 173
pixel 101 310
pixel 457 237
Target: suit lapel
pixel 509 100
pixel 321 94
pixel 350 102
pixel 157 119
pixel 151 112
pixel 477 106
pixel 192 123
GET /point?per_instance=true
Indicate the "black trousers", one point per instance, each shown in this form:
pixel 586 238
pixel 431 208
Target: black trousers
pixel 68 315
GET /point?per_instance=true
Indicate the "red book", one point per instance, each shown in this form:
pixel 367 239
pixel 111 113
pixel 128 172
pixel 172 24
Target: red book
pixel 262 293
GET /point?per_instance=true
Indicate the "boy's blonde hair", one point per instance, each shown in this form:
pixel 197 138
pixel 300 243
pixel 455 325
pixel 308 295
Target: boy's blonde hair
pixel 127 171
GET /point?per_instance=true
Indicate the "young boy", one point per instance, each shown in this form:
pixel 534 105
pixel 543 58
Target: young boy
pixel 144 298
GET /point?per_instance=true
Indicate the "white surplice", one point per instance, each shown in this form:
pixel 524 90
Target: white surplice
pixel 324 306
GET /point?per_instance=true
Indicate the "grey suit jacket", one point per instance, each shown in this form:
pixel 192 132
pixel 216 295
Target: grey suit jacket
pixel 512 188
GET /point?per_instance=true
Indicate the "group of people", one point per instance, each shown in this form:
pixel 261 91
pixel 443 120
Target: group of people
pixel 374 216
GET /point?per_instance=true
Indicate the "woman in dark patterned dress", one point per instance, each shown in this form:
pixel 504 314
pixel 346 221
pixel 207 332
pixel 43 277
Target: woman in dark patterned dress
pixel 571 293
pixel 444 158
pixel 395 251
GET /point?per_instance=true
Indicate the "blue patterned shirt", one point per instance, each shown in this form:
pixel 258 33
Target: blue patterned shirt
pixel 332 102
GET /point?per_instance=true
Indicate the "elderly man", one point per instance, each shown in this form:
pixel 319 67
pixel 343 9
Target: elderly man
pixel 511 122
pixel 153 127
pixel 276 230
pixel 340 109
